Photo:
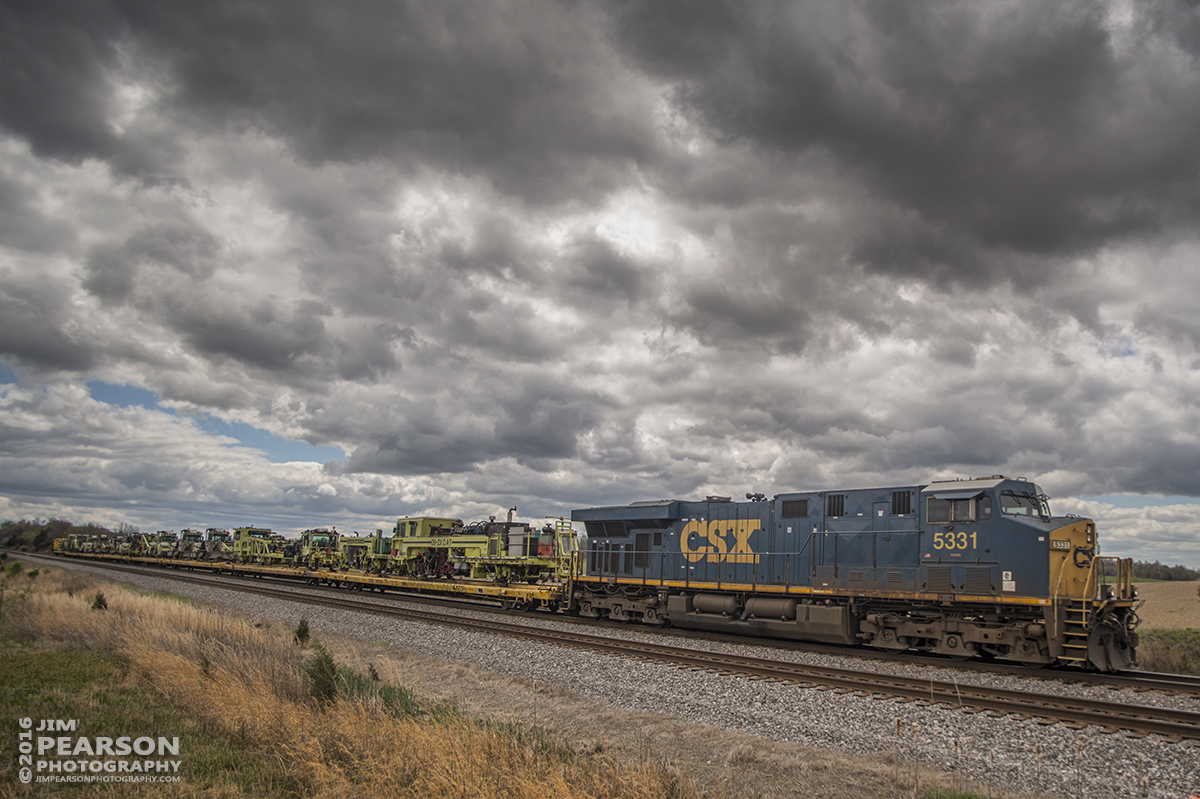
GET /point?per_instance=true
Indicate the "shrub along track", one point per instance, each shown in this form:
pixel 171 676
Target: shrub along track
pixel 1174 724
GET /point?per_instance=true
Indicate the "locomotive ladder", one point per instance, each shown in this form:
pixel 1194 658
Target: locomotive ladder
pixel 1076 618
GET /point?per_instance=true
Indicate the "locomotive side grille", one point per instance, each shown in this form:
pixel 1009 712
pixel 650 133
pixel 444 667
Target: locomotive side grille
pixel 856 576
pixel 641 557
pixel 937 578
pixel 895 577
pixel 795 507
pixel 979 580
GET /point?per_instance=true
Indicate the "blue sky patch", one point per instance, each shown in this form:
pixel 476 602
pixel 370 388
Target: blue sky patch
pixel 276 449
pixel 124 396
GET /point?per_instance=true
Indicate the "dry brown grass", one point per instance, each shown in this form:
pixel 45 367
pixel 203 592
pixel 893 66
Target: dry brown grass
pixel 249 681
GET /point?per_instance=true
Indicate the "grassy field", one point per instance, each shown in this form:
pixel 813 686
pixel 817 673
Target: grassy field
pixel 1169 605
pixel 259 714
pixel 1170 630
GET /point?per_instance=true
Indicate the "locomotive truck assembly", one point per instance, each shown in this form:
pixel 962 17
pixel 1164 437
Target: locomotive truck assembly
pixel 974 568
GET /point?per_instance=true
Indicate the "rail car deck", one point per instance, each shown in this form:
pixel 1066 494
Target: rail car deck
pixel 547 595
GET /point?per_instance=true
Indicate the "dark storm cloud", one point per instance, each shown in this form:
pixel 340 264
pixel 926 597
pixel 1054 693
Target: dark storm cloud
pixel 1026 130
pixel 111 270
pixel 1000 132
pixel 165 271
pixel 58 60
pixel 595 270
pixel 495 248
pixel 266 334
pixel 368 354
pixel 53 90
pixel 731 313
pixel 1174 318
pixel 38 326
pixel 543 421
pixel 442 424
pixel 1178 21
pixel 23 226
pixel 526 96
pixel 906 245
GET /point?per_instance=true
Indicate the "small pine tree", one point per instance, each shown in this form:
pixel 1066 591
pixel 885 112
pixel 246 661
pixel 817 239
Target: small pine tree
pixel 322 672
pixel 302 632
pixel 99 602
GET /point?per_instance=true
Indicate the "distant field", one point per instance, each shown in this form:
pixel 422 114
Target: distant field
pixel 1169 605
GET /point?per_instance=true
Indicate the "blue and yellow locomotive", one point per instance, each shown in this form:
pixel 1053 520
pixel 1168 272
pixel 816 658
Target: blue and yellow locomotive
pixel 966 568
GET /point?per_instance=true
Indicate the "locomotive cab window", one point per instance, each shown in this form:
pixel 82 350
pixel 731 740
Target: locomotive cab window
pixel 1020 505
pixel 949 511
pixel 983 508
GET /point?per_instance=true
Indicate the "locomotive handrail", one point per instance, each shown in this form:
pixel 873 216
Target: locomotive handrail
pixel 1123 574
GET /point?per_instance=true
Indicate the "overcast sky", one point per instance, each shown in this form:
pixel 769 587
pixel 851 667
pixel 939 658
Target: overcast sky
pixel 299 263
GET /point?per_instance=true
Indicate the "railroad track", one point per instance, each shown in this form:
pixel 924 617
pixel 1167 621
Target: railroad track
pixel 1135 680
pixel 1174 724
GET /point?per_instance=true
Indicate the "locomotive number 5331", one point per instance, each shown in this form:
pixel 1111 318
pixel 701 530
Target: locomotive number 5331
pixel 952 540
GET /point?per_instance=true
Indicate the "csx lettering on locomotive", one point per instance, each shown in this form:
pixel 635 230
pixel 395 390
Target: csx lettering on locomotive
pixel 719 534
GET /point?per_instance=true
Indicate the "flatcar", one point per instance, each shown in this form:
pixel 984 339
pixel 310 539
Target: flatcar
pixel 966 568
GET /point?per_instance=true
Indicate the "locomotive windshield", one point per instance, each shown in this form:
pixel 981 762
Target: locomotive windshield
pixel 1023 505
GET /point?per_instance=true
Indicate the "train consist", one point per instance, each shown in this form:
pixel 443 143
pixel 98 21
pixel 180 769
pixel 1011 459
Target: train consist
pixel 423 547
pixel 965 568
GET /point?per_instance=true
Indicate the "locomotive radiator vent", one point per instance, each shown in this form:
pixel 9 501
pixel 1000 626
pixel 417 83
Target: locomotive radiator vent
pixel 979 580
pixel 937 579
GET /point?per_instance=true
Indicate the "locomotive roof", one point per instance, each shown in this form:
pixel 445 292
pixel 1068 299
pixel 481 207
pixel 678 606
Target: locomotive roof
pixel 974 484
pixel 666 508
